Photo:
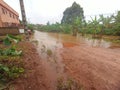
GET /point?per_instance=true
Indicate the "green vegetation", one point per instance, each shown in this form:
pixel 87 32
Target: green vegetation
pixel 73 16
pixel 11 66
pixel 71 13
pixel 10 52
pixel 73 21
pixel 31 27
pixel 68 84
pixel 50 28
pixel 9 72
pixel 49 52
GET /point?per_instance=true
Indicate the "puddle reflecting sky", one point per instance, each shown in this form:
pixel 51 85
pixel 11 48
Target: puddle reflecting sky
pixel 55 40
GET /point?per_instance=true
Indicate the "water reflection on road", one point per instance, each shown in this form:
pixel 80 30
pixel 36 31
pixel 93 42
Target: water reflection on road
pixel 51 40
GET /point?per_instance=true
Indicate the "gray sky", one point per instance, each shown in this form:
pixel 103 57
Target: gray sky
pixel 42 11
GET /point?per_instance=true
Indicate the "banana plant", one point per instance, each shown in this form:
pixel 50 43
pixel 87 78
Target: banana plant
pixel 95 24
pixel 77 23
pixel 105 22
pixel 9 38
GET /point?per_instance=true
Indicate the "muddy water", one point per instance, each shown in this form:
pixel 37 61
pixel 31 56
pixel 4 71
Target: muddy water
pixel 87 40
pixel 49 45
pixel 51 40
pixel 48 48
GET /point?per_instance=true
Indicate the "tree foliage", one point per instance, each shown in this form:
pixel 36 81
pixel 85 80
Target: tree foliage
pixel 117 24
pixel 73 21
pixel 71 13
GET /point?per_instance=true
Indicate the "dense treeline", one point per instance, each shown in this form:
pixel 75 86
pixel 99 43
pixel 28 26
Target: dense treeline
pixel 73 21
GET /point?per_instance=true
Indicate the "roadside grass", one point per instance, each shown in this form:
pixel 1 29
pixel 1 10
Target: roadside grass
pixel 68 84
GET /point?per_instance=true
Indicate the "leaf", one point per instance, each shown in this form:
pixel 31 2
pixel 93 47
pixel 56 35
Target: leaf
pixel 6 41
pixel 1 52
pixel 21 70
pixel 19 52
pixel 16 53
pixel 6 69
pixel 15 39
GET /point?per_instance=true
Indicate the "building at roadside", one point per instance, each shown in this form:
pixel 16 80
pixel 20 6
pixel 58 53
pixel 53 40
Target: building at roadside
pixel 8 16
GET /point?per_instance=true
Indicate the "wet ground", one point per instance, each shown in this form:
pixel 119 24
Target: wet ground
pixel 90 63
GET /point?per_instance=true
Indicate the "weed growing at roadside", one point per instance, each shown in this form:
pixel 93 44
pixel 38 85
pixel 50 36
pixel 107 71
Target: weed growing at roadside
pixel 35 42
pixel 43 49
pixel 68 84
pixel 9 72
pixel 49 52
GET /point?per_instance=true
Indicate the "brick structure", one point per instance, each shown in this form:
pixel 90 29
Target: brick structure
pixel 8 16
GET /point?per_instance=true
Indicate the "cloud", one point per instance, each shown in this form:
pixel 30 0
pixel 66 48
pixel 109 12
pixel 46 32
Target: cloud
pixel 41 11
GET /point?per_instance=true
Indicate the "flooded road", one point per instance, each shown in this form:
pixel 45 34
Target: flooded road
pixel 88 61
pixel 58 40
pixel 48 48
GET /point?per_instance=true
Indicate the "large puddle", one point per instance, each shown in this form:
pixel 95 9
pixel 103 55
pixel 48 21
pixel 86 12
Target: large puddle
pixel 49 45
pixel 55 40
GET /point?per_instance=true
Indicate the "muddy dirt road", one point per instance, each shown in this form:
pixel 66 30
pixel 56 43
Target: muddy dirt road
pixel 95 67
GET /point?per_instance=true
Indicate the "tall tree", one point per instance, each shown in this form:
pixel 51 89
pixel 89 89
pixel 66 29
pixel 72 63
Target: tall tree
pixel 74 16
pixel 71 13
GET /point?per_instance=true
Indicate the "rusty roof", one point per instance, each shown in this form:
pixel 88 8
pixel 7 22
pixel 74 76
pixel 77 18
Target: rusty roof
pixel 5 5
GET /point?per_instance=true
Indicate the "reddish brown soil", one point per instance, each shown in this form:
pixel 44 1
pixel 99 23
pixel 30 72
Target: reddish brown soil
pixel 69 44
pixel 95 68
pixel 34 77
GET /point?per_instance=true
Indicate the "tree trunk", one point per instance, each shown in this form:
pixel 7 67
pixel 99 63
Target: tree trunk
pixel 75 31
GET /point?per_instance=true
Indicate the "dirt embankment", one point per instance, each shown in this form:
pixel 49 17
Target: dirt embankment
pixel 94 68
pixel 34 77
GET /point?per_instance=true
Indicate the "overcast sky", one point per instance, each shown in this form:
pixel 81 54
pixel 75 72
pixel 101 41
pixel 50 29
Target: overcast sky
pixel 42 11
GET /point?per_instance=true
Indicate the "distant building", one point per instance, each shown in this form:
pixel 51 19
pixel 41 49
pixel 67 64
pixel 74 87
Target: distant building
pixel 8 16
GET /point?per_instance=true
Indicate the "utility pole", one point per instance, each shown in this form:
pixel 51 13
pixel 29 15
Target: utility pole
pixel 23 17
